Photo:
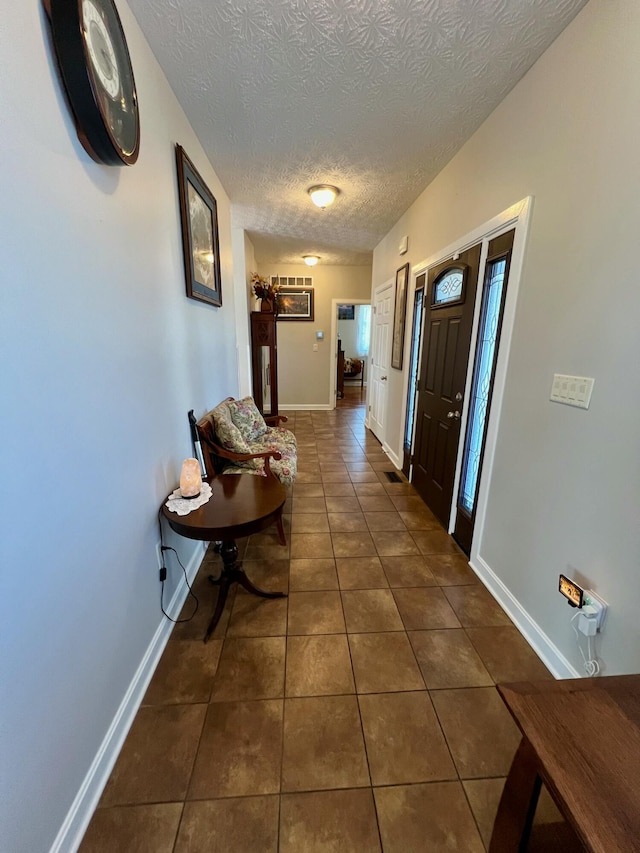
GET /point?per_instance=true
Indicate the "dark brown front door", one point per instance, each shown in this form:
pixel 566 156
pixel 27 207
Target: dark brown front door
pixel 449 304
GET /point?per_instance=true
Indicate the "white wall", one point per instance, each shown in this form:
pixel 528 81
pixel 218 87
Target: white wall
pixel 304 376
pixel 102 355
pixel 244 263
pixel 565 485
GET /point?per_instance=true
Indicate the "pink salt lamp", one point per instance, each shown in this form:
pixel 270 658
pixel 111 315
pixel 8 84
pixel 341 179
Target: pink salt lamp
pixel 190 479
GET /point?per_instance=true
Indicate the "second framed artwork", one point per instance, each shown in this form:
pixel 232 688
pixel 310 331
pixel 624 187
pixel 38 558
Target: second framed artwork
pixel 295 303
pixel 200 244
pixel 397 349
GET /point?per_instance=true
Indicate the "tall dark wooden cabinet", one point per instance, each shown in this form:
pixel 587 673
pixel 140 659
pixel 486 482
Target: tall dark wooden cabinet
pixel 264 361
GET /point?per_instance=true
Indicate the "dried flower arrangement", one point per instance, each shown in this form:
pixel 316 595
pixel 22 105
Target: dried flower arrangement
pixel 262 288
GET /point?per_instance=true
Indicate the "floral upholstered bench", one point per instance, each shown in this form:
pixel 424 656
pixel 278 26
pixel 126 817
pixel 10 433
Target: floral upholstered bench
pixel 236 439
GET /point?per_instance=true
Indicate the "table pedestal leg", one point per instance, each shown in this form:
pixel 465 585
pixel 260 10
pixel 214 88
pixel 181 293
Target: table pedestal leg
pixel 518 803
pixel 280 527
pixel 232 572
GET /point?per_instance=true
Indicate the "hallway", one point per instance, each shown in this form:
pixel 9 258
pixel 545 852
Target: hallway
pixel 357 715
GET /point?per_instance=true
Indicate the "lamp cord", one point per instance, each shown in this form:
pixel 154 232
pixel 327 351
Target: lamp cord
pixel 163 574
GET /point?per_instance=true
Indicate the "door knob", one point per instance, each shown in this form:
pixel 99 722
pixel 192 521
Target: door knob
pixel 383 379
pixel 454 416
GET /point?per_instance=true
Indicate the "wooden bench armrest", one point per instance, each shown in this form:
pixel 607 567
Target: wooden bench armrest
pixel 219 450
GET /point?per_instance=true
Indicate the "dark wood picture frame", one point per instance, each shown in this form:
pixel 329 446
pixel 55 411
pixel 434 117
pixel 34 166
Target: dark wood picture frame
pixel 200 242
pixel 399 314
pixel 295 303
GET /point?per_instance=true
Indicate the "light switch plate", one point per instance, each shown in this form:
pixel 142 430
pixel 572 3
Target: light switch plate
pixel 572 390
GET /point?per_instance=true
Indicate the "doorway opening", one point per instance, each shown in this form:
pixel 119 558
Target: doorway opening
pixel 350 341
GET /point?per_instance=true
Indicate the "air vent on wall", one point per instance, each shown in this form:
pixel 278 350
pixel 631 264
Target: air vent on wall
pixel 292 280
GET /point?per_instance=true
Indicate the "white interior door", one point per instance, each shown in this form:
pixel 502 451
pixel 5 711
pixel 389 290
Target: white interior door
pixel 378 380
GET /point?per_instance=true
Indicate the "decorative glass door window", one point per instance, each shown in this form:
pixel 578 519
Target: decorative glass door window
pixel 449 286
pixel 488 333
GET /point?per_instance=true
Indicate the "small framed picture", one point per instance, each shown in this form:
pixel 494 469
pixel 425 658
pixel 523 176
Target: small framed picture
pixel 295 303
pixel 346 312
pixel 200 244
pixel 397 350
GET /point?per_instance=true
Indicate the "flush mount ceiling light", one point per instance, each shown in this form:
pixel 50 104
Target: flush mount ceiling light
pixel 310 260
pixel 322 195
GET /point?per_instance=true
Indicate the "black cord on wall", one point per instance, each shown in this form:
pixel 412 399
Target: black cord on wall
pixel 163 577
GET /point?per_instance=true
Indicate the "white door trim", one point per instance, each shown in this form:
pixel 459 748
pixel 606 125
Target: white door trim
pixel 517 216
pixel 333 361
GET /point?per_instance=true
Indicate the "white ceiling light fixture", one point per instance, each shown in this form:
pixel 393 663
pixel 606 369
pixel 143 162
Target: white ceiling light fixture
pixel 322 195
pixel 310 260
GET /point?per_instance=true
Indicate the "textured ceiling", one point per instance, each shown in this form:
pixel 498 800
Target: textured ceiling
pixel 374 96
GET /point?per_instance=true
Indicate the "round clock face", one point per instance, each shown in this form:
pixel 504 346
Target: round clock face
pixel 101 50
pixel 96 69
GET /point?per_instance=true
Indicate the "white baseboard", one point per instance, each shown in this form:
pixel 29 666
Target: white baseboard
pixel 305 407
pixel 77 820
pixel 392 456
pixel 547 651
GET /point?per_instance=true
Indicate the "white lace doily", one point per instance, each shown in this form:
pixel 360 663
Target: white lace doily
pixel 182 506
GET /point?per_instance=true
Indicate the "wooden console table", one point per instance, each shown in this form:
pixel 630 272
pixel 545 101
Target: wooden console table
pixel 581 737
pixel 241 504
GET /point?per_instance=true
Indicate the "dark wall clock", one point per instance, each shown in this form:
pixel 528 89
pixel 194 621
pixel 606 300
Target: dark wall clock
pixel 96 69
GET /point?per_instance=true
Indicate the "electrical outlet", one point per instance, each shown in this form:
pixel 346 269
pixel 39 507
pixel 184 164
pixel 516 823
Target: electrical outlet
pixel 159 556
pixel 591 599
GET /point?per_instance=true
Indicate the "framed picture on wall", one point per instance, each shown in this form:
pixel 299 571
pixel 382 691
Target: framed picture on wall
pixel 200 244
pixel 397 349
pixel 346 312
pixel 295 303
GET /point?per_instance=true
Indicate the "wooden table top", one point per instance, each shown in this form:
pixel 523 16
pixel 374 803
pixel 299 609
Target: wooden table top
pixel 241 504
pixel 586 734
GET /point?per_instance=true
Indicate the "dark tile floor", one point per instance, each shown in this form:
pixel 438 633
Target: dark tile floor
pixel 359 714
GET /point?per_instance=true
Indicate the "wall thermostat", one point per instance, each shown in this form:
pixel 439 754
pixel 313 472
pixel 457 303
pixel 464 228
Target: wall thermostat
pixel 571 591
pixel 320 336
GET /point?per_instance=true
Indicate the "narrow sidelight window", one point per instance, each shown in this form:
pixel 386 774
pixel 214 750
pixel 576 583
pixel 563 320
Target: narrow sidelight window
pixel 488 333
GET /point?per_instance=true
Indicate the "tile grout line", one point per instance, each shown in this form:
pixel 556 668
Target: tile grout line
pixel 284 709
pixel 364 739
